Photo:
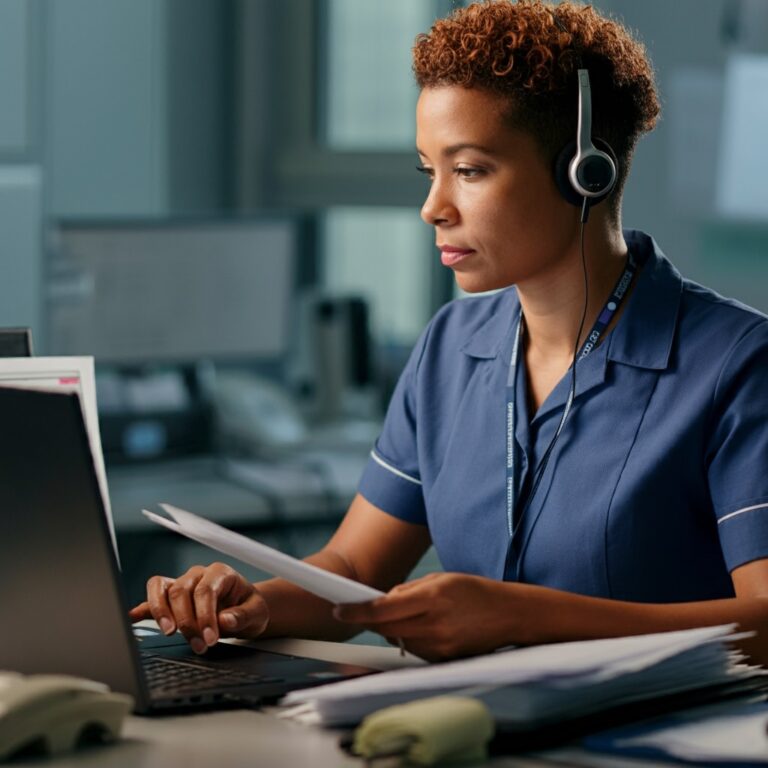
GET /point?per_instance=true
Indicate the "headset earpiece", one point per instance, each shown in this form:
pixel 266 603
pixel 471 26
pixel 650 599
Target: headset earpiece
pixel 586 170
pixel 562 178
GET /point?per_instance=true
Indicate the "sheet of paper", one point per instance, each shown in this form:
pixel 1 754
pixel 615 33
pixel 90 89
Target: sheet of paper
pixel 330 586
pixel 65 374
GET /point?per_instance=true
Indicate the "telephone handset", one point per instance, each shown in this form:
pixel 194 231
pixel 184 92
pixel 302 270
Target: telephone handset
pixel 56 713
pixel 256 415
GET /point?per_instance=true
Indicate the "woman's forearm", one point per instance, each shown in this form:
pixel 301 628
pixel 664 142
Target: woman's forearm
pixel 556 616
pixel 294 612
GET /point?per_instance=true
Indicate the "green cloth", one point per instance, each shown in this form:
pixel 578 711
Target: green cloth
pixel 444 728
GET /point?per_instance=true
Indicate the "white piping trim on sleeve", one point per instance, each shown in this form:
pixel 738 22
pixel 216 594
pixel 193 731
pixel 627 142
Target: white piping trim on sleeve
pixel 393 470
pixel 740 511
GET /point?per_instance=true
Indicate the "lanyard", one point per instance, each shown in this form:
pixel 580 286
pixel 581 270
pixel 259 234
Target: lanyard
pixel 603 321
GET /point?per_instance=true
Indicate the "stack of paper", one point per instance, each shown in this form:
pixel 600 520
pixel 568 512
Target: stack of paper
pixel 529 687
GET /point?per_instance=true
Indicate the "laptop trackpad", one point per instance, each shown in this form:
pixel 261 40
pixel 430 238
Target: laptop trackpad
pixel 148 637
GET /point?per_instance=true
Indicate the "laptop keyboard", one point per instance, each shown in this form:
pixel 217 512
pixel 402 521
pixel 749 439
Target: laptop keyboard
pixel 166 676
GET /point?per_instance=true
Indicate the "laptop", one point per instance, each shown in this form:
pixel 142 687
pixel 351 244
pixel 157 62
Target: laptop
pixel 62 602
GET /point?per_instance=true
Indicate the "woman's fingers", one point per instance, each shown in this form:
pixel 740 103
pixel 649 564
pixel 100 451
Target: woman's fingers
pixel 393 607
pixel 180 597
pixel 159 607
pixel 139 612
pixel 437 617
pixel 221 587
pixel 203 604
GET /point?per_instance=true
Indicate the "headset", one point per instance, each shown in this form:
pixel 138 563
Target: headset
pixel 586 169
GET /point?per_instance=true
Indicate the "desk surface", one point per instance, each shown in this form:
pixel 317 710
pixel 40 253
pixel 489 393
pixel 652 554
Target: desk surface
pixel 258 739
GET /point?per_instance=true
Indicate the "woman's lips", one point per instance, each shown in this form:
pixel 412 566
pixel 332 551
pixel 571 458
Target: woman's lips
pixel 452 255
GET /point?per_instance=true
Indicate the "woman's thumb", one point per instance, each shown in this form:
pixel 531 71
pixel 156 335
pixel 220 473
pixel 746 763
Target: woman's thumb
pixel 229 619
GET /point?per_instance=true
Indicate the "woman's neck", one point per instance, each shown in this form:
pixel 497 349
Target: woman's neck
pixel 553 303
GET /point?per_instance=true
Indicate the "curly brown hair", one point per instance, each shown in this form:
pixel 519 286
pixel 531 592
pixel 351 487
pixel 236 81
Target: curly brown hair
pixel 528 51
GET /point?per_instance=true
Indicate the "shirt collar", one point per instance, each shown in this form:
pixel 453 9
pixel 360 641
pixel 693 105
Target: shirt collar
pixel 643 337
pixel 489 339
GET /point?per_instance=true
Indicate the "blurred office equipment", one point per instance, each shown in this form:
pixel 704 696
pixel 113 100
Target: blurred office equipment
pixel 158 303
pixel 178 291
pixel 332 362
pixel 15 342
pixel 149 413
pixel 315 434
pixel 53 714
pixel 255 416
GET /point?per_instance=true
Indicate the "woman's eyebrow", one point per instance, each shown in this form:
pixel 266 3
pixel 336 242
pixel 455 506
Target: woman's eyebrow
pixel 454 148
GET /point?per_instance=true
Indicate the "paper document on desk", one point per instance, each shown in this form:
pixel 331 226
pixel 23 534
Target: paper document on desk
pixel 65 374
pixel 330 586
pixel 529 687
pixel 731 733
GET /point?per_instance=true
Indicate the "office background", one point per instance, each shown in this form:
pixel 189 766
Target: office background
pixel 220 176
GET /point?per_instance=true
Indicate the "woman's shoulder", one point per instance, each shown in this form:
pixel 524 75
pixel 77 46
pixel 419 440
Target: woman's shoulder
pixel 720 318
pixel 704 318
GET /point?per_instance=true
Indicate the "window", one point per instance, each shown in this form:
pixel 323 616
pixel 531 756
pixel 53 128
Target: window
pixel 368 92
pixel 383 255
pixel 338 98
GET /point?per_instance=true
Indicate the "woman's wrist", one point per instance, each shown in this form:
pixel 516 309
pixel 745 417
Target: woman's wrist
pixel 527 623
pixel 545 615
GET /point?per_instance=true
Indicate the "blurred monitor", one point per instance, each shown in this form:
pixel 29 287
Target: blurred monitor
pixel 15 342
pixel 143 292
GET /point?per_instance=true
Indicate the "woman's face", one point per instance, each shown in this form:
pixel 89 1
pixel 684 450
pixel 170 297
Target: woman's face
pixel 498 216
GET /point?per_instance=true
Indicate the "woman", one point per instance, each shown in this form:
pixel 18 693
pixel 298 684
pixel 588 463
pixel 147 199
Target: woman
pixel 631 500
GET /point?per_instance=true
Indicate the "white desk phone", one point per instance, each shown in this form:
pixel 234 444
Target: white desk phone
pixel 256 414
pixel 56 713
pixel 260 418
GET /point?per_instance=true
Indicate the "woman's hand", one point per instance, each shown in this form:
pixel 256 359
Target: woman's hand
pixel 445 615
pixel 204 604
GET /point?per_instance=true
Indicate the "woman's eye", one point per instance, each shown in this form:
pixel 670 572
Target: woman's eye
pixel 464 171
pixel 468 172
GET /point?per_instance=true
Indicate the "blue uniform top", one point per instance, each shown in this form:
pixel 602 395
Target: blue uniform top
pixel 658 484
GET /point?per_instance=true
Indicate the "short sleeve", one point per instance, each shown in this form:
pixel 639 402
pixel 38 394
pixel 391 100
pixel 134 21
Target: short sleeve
pixel 738 450
pixel 391 479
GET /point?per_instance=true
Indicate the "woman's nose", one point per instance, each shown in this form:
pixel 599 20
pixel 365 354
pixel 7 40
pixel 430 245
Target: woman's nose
pixel 439 208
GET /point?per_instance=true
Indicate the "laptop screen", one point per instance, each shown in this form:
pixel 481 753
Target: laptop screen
pixel 62 602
